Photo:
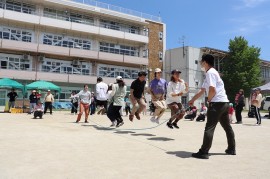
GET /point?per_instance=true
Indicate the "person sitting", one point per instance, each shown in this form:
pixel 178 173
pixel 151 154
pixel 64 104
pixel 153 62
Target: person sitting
pixel 38 110
pixel 202 114
pixel 191 113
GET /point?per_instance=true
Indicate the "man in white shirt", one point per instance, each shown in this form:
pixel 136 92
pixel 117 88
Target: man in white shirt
pixel 256 105
pixel 217 111
pixel 101 95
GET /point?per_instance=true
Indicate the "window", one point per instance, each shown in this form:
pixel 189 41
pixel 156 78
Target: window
pixel 145 53
pixel 160 56
pixel 70 42
pixel 61 66
pixel 160 36
pixel 118 49
pixel 18 6
pixel 68 16
pixel 15 62
pixel 110 25
pixel 114 71
pixel 15 34
pixel 146 31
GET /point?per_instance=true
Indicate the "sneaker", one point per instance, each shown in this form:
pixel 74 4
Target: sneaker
pixel 153 119
pixel 230 152
pixel 175 125
pixel 137 115
pixel 200 155
pixel 113 124
pixel 169 125
pixel 131 116
pixel 157 121
pixel 120 124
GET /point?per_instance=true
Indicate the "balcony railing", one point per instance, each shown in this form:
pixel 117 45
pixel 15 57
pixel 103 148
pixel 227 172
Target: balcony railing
pixel 119 9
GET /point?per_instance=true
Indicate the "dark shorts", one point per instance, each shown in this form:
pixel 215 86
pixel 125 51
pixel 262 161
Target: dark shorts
pixel 101 103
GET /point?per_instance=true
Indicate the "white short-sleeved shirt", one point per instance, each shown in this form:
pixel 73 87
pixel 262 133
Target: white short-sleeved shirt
pixel 213 79
pixel 259 99
pixel 175 88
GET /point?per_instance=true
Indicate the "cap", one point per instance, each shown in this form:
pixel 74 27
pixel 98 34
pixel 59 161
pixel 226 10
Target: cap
pixel 49 90
pixel 34 91
pixel 258 89
pixel 176 71
pixel 119 78
pixel 157 70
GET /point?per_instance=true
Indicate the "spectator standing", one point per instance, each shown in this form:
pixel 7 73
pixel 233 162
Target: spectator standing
pixel 74 102
pixel 12 98
pixel 49 99
pixel 240 103
pixel 33 101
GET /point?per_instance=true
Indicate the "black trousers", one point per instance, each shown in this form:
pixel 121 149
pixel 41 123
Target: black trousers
pixel 38 114
pixel 113 113
pixel 74 108
pixel 48 105
pixel 257 114
pixel 127 109
pixel 217 112
pixel 238 111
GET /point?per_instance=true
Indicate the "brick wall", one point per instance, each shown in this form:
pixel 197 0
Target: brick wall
pixel 155 46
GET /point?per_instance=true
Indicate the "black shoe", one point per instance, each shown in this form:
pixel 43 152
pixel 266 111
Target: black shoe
pixel 230 152
pixel 86 122
pixel 119 123
pixel 238 122
pixel 200 155
pixel 175 125
pixel 169 125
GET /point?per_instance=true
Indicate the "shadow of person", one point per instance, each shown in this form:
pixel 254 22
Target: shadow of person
pixel 249 124
pixel 212 154
pixel 102 128
pixel 181 154
pixel 147 135
pixel 160 139
pixel 124 132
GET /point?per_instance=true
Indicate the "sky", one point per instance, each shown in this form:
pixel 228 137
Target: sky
pixel 209 23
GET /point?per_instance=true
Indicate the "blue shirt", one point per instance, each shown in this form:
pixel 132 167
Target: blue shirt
pixel 158 86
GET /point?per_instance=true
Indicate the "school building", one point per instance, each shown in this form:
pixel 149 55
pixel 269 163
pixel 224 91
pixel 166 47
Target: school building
pixel 72 42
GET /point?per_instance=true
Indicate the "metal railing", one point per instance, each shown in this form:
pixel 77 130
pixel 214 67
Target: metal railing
pixel 119 9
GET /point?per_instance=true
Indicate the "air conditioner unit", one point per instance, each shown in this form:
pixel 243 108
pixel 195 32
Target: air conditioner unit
pixel 145 53
pixel 41 59
pixel 75 63
pixel 26 57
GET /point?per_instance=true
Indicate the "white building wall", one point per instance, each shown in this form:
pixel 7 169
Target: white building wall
pixel 191 72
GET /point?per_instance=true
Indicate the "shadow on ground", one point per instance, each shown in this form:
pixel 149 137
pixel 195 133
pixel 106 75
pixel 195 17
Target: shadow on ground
pixel 147 135
pixel 160 139
pixel 181 154
pixel 124 132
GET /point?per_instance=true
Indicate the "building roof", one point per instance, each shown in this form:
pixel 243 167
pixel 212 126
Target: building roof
pixel 119 9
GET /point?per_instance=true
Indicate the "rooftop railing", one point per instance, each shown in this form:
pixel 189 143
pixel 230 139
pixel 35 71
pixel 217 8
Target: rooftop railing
pixel 119 9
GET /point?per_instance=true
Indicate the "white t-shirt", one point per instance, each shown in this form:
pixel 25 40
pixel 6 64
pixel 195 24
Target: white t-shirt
pixel 175 88
pixel 259 99
pixel 101 90
pixel 213 79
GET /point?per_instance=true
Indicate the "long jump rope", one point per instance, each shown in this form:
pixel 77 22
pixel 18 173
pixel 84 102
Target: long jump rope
pixel 138 129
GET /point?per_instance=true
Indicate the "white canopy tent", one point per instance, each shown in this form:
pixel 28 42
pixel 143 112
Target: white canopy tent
pixel 264 88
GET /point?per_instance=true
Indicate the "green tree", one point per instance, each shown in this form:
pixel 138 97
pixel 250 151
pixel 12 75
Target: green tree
pixel 241 68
